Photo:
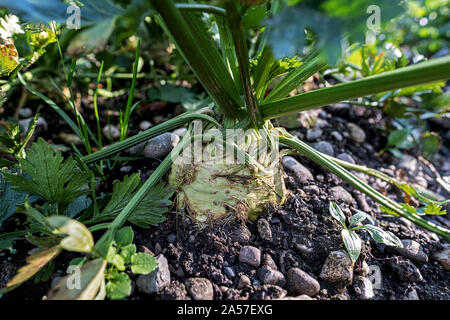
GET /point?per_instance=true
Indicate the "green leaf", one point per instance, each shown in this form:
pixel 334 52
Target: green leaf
pixel 118 287
pixel 9 199
pixel 398 137
pixel 358 218
pixel 127 252
pixel 150 211
pixel 381 236
pixel 143 263
pixel 352 243
pixel 77 237
pixel 434 209
pixel 54 179
pixel 124 237
pixel 337 213
pixel 78 262
pixel 118 262
pixel 430 143
pixel 9 58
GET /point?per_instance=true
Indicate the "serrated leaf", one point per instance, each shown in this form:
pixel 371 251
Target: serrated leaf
pixel 9 199
pixel 127 252
pixel 358 218
pixel 381 236
pixel 91 278
pixel 118 287
pixel 352 243
pixel 35 263
pixel 124 237
pixel 337 213
pixel 77 237
pixel 150 211
pixel 434 209
pixel 143 263
pixel 54 179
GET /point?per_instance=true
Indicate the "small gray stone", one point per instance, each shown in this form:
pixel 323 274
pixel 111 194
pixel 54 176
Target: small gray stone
pixel 324 147
pixel 411 250
pixel 200 288
pixel 268 261
pixel 339 193
pixel 25 112
pixel 144 125
pixel 411 295
pixel 137 149
pixel 409 164
pixel 337 136
pixel 41 124
pixel 111 132
pixel 269 276
pixel 171 238
pixel 250 255
pixel 363 288
pixel 126 169
pixel 241 234
pixel 300 172
pixel 313 134
pixel 303 249
pixel 244 281
pixel 313 189
pixel 405 270
pixel 346 157
pixel 443 257
pixel 356 133
pixel 264 229
pixel 299 282
pixel 160 146
pixel 156 280
pixel 180 132
pixel 229 272
pixel 338 268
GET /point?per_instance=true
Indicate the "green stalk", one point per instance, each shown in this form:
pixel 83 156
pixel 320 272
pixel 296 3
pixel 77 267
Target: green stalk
pixel 97 118
pixel 322 160
pixel 429 71
pixel 240 45
pixel 145 135
pixel 126 117
pixel 201 7
pixel 197 48
pixel 262 71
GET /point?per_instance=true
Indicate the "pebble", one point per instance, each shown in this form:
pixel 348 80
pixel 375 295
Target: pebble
pixel 269 276
pixel 409 164
pixel 229 272
pixel 264 229
pixel 180 132
pixel 338 268
pixel 144 125
pixel 41 123
pixel 244 281
pixel 268 261
pixel 443 257
pixel 241 235
pixel 303 249
pixel 411 295
pixel 126 169
pixel 299 282
pixel 363 288
pixel 346 157
pixel 405 270
pixel 300 172
pixel 339 193
pixel 356 133
pixel 324 147
pixel 111 132
pixel 25 112
pixel 312 189
pixel 301 297
pixel 337 136
pixel 160 146
pixel 250 255
pixel 411 250
pixel 156 280
pixel 313 134
pixel 158 248
pixel 137 149
pixel 171 238
pixel 200 288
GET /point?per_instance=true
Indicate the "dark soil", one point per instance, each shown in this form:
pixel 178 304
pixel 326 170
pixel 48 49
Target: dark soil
pixel 303 231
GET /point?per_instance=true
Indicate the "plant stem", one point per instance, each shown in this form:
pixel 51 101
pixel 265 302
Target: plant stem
pixel 429 71
pixel 318 158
